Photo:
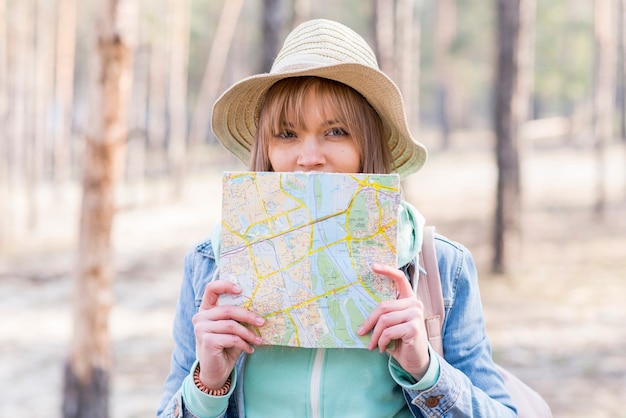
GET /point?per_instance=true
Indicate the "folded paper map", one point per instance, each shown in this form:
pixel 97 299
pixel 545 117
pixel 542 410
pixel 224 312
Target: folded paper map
pixel 301 246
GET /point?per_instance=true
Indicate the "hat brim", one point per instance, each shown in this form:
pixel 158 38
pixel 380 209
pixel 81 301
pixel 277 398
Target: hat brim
pixel 236 113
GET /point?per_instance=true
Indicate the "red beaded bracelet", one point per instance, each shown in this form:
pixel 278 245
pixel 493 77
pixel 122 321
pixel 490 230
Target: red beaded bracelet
pixel 213 392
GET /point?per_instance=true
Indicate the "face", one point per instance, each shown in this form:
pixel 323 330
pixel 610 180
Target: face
pixel 322 143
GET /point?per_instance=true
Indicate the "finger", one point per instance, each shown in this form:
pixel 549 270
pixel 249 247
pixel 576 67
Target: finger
pixel 389 335
pixel 398 277
pixel 405 332
pixel 224 312
pixel 213 290
pixel 384 308
pixel 387 322
pixel 228 320
pixel 404 291
pixel 220 342
pixel 234 328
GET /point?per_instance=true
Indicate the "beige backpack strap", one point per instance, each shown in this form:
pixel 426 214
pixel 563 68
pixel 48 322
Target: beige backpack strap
pixel 429 290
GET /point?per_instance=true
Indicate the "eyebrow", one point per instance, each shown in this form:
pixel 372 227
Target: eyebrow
pixel 331 122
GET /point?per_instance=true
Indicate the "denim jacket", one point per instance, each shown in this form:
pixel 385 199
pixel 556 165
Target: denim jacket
pixel 468 385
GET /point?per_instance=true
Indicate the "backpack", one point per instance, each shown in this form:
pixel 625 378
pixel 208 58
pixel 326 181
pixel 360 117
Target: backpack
pixel 528 402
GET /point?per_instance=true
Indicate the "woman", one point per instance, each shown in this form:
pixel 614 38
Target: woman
pixel 325 106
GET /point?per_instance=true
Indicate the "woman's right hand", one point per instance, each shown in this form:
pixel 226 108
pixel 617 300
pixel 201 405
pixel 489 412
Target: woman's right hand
pixel 221 335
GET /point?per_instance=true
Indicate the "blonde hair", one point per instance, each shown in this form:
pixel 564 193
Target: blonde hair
pixel 284 102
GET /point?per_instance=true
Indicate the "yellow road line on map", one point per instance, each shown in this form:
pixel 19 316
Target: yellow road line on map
pixel 348 239
pixel 309 301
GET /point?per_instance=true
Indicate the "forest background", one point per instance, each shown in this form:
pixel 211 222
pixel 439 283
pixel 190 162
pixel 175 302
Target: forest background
pixel 556 317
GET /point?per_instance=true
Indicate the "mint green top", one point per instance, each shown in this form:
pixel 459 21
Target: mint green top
pixel 321 382
pixel 324 382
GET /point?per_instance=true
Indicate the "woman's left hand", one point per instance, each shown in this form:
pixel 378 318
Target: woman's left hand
pixel 402 321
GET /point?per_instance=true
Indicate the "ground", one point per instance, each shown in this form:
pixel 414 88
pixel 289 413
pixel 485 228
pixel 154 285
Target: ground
pixel 556 320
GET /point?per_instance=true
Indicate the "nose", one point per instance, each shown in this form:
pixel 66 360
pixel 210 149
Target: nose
pixel 310 154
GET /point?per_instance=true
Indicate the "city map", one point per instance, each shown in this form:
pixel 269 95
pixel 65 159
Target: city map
pixel 301 245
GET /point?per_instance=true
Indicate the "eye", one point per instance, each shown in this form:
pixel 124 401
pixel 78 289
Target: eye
pixel 336 132
pixel 286 134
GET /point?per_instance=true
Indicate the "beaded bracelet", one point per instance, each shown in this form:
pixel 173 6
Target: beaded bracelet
pixel 213 392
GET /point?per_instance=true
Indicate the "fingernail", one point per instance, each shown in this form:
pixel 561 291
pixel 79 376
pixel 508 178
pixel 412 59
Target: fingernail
pixel 236 288
pixel 375 266
pixel 259 320
pixel 360 330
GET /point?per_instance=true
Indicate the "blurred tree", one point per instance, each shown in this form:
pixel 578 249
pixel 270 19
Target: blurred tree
pixel 4 169
pixel 30 142
pixel 87 371
pixel 138 120
pixel 43 61
pixel 396 38
pixel 301 12
pixel 213 72
pixel 272 18
pixel 604 87
pixel 384 31
pixel 177 97
pixel 562 79
pixel 154 41
pixel 3 65
pixel 622 73
pixel 445 32
pixel 18 95
pixel 526 59
pixel 64 88
pixel 514 24
pixel 468 66
pixel 408 69
pixel 621 63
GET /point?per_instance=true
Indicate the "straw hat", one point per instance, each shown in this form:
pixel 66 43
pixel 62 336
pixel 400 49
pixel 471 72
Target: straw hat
pixel 326 49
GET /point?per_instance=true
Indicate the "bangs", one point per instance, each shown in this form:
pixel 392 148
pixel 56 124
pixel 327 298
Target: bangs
pixel 284 107
pixel 285 103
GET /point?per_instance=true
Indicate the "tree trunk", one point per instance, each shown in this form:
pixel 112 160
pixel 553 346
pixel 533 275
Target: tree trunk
pixel 135 170
pixel 29 141
pixel 621 73
pixel 622 78
pixel 604 85
pixel 15 133
pixel 3 64
pixel 179 57
pixel 43 87
pixel 272 29
pixel 87 372
pixel 526 60
pixel 64 89
pixel 384 36
pixel 445 32
pixel 507 120
pixel 405 18
pixel 213 72
pixel 157 103
pixel 4 150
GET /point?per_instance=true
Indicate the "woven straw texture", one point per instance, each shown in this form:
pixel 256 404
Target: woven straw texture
pixel 326 49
